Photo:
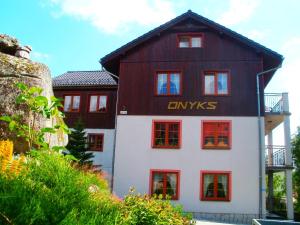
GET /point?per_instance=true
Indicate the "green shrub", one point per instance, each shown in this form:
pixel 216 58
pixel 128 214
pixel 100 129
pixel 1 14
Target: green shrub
pixel 49 190
pixel 144 210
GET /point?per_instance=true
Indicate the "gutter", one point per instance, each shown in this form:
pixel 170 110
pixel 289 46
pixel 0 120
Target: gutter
pixel 260 150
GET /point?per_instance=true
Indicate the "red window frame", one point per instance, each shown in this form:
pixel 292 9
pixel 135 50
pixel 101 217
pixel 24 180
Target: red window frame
pixel 190 36
pixel 95 147
pixel 165 172
pixel 72 97
pixel 216 133
pixel 166 144
pixel 168 82
pixel 215 174
pixel 215 73
pixel 98 102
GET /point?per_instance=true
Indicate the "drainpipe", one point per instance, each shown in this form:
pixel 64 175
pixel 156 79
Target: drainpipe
pixel 115 135
pixel 261 150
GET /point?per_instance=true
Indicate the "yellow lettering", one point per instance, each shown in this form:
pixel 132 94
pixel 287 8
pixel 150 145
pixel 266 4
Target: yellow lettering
pixel 182 105
pixel 201 105
pixel 192 104
pixel 212 105
pixel 172 105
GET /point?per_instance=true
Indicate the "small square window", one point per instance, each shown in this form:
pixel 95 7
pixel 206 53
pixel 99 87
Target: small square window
pixel 215 186
pixel 165 183
pixel 190 41
pixel 216 83
pixel 98 103
pixel 166 134
pixel 216 135
pixel 71 103
pixel 168 83
pixel 95 142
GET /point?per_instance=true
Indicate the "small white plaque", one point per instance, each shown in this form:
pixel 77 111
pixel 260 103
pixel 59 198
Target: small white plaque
pixel 123 112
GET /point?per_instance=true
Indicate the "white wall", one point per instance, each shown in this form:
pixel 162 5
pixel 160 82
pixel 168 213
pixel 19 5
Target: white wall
pixel 105 157
pixel 135 157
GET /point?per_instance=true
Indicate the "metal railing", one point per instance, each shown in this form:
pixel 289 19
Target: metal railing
pixel 275 155
pixel 273 102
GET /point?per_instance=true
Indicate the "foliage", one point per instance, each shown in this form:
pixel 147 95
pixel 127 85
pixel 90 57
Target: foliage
pixel 77 144
pixel 51 191
pixel 296 180
pixel 8 165
pixel 35 106
pixel 144 210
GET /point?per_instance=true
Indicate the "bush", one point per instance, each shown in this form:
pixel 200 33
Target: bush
pixel 48 190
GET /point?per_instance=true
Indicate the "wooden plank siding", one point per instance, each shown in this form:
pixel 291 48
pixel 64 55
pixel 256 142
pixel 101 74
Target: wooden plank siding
pixel 104 120
pixel 139 66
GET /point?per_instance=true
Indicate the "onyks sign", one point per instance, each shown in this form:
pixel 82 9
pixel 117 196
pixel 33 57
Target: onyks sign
pixel 178 105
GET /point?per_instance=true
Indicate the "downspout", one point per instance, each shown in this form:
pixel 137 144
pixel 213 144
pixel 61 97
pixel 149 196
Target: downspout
pixel 115 135
pixel 261 151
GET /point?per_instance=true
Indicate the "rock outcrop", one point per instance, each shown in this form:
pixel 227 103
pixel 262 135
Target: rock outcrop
pixel 13 70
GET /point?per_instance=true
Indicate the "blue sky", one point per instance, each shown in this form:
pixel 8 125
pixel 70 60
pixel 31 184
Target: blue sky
pixel 75 34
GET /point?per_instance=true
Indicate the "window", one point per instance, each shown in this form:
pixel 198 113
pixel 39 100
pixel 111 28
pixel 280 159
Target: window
pixel 71 103
pixel 165 183
pixel 166 134
pixel 168 83
pixel 95 142
pixel 216 83
pixel 190 41
pixel 98 103
pixel 215 186
pixel 216 135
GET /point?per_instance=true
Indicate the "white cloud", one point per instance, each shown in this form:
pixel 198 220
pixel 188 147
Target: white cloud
pixel 257 35
pixel 39 56
pixel 239 11
pixel 115 16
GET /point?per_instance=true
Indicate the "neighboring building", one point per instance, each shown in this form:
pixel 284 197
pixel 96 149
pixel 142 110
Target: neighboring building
pixel 188 123
pixel 91 96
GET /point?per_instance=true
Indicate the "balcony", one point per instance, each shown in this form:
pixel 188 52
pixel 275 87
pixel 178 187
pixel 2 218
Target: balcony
pixel 276 107
pixel 276 158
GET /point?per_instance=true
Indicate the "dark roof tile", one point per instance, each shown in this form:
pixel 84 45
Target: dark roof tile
pixel 84 78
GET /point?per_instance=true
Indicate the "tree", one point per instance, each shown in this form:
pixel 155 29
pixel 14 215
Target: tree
pixel 77 145
pixel 296 156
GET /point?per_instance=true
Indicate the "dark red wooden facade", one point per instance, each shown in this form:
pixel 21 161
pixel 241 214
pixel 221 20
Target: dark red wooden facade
pixel 100 120
pixel 138 69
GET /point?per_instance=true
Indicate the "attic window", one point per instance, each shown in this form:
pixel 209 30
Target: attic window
pixel 190 41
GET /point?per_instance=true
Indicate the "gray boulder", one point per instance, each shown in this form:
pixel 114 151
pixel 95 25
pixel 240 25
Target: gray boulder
pixel 12 71
pixel 8 44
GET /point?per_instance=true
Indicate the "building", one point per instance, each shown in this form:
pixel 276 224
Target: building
pixel 188 123
pixel 91 96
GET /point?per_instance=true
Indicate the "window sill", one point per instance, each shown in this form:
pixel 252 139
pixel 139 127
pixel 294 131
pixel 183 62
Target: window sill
pixel 215 200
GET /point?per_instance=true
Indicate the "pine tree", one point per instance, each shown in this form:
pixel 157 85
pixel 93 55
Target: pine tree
pixel 77 144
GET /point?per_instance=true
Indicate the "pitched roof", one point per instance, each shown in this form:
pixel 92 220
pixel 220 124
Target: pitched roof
pixel 109 61
pixel 84 79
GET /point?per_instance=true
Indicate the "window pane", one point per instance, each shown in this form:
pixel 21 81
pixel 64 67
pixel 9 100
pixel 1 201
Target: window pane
pixel 196 42
pixel 93 103
pixel 208 185
pixel 222 83
pixel 67 103
pixel 92 141
pixel 99 142
pixel 209 83
pixel 174 83
pixel 209 132
pixel 158 183
pixel 160 134
pixel 184 42
pixel 102 103
pixel 223 134
pixel 173 134
pixel 222 186
pixel 162 84
pixel 76 102
pixel 171 184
